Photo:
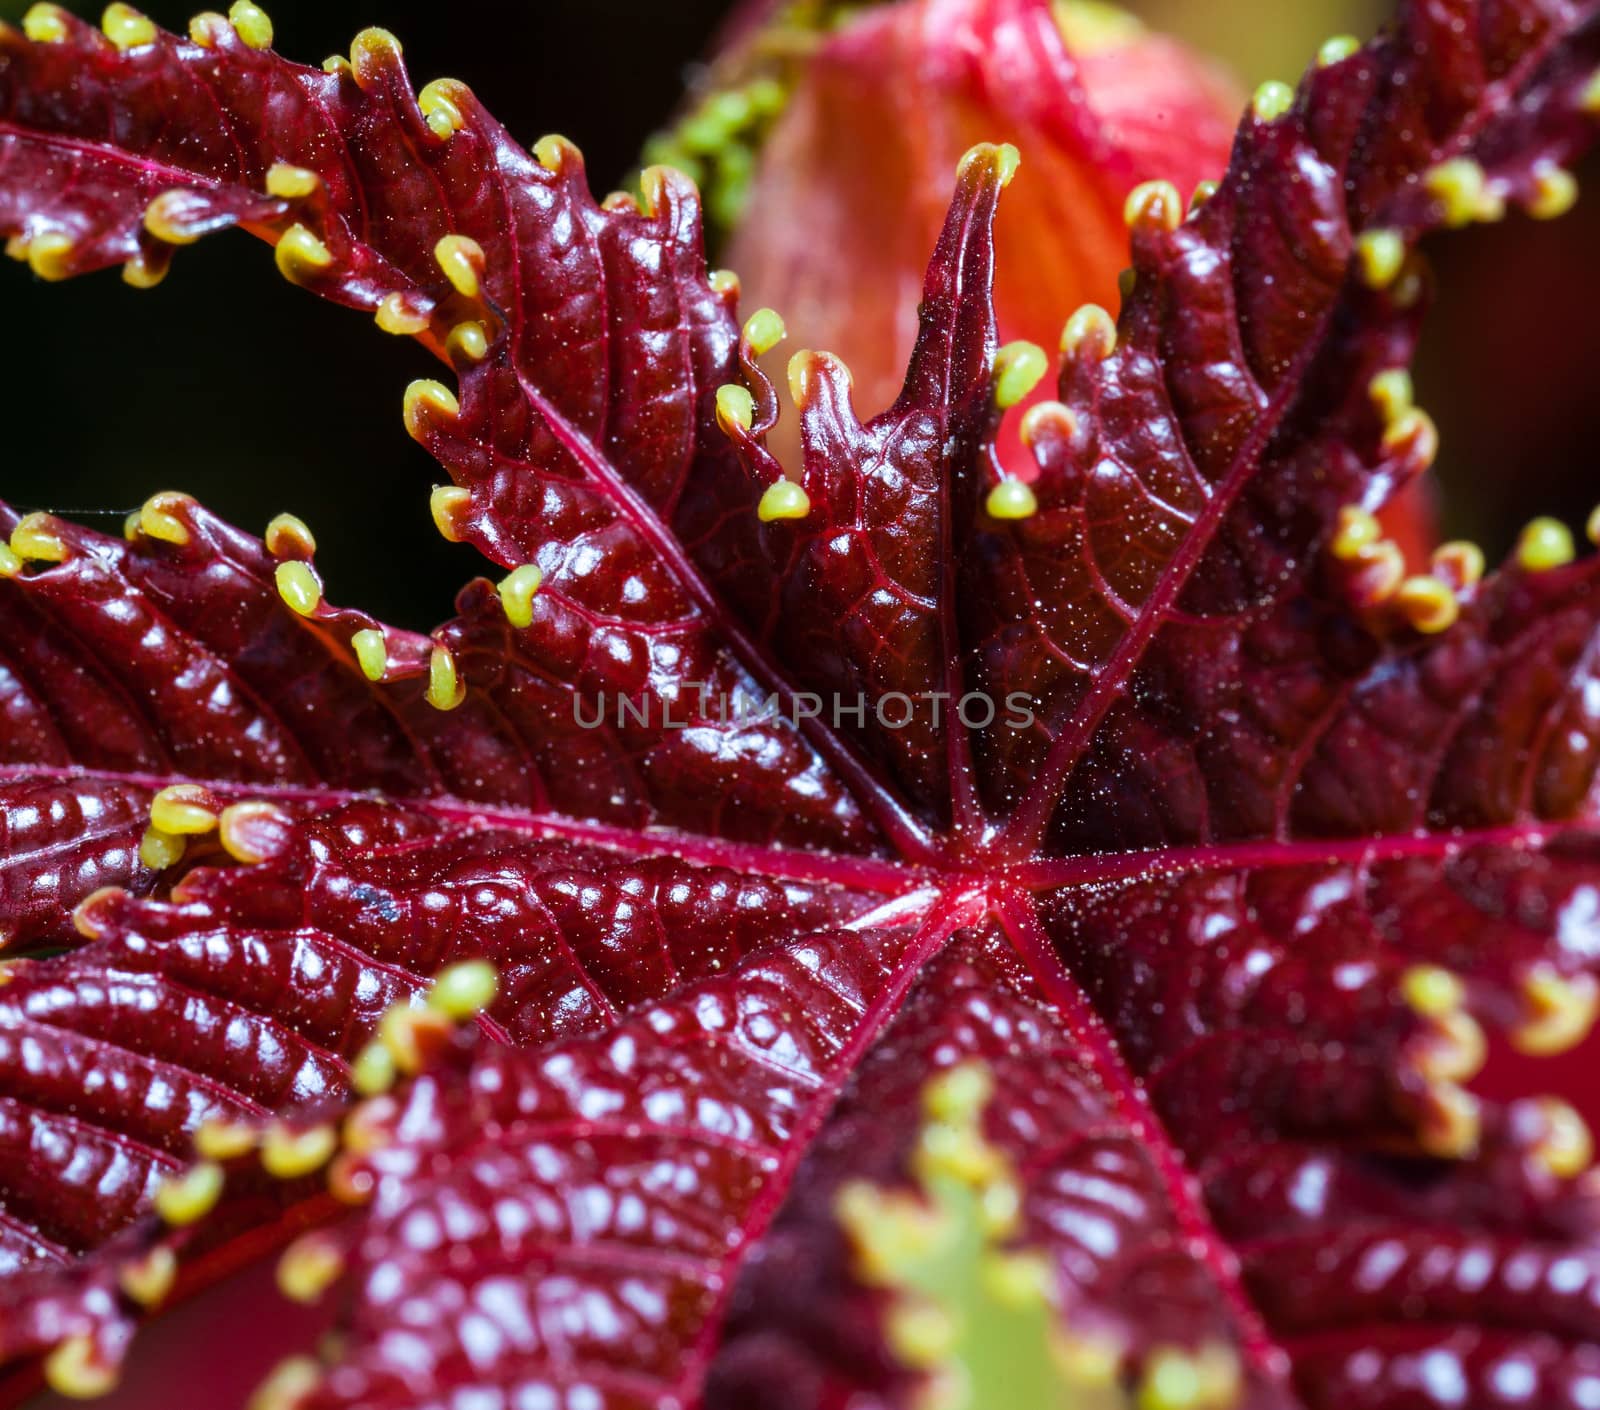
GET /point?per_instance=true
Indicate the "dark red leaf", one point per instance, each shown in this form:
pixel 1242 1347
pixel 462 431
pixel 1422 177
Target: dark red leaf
pixel 1288 850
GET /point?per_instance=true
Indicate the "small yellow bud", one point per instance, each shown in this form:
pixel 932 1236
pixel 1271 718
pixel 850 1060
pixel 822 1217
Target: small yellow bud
pixel 735 406
pixel 183 809
pixel 45 24
pixel 298 586
pixel 35 539
pixel 1380 255
pixel 463 990
pixel 288 1154
pixel 460 258
pixel 517 590
pixel 125 27
pixel 189 1197
pixel 1555 191
pixel 309 1267
pixel 1543 544
pixel 395 315
pixel 1432 990
pixel 148 1280
pixel 159 850
pixel 288 536
pixel 1427 604
pixel 1011 499
pixel 1567 1148
pixel 1337 50
pixel 445 690
pixel 783 499
pixel 372 652
pixel 1357 529
pixel 425 399
pixel 1018 368
pixel 764 330
pixel 1271 101
pixel 1461 187
pixel 220 1139
pixel 468 341
pixel 1155 204
pixel 162 517
pixel 447 504
pixel 74 1369
pixel 251 23
pixel 300 255
pixel 291 183
pixel 440 102
pixel 1090 332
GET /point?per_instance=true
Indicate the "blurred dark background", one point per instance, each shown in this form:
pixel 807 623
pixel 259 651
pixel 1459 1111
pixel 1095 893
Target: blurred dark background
pixel 229 384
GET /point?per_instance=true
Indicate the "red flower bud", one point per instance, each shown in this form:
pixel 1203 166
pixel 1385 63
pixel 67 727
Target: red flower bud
pixel 854 180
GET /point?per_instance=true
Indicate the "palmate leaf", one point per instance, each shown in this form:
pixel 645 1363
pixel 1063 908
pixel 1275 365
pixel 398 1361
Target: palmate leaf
pixel 1212 949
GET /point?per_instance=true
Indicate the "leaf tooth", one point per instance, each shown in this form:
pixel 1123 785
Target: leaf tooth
pixel 289 537
pixel 1555 191
pixel 517 590
pixel 426 399
pixel 1337 49
pixel 460 259
pixel 1559 1012
pixel 1427 603
pixel 301 255
pixel 783 499
pixel 441 102
pixel 46 24
pixel 188 1197
pixel 251 23
pixel 159 850
pixel 468 341
pixel 1012 498
pixel 446 689
pixel 219 1139
pixel 298 586
pixel 735 407
pixel 449 505
pixel 149 1279
pixel 87 917
pixel 374 53
pixel 37 538
pixel 1271 100
pixel 398 313
pixel 77 1369
pixel 292 183
pixel 1589 95
pixel 288 1153
pixel 1452 1122
pixel 168 516
pixel 1463 192
pixel 1018 369
pixel 311 1265
pixel 763 331
pixel 253 831
pixel 1089 335
pixel 1458 563
pixel 1543 544
pixel 1380 256
pixel 288 1384
pixel 1153 205
pixel 1564 1147
pixel 371 648
pixel 555 153
pixel 185 810
pixel 127 27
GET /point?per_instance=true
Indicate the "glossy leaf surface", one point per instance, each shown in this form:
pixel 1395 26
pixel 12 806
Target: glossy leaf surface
pixel 1282 852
